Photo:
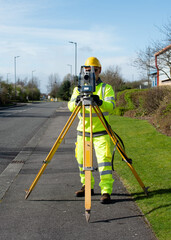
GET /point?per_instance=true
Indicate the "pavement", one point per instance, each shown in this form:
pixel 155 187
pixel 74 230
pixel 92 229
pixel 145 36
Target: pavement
pixel 52 211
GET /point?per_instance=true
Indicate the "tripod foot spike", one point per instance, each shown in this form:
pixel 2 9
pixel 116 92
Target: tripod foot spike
pixel 146 191
pixel 27 193
pixel 87 215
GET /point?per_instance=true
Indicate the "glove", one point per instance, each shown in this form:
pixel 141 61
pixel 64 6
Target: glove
pixel 97 100
pixel 78 99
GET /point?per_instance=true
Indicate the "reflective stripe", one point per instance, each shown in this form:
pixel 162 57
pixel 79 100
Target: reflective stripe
pixel 113 104
pixel 105 172
pixel 104 164
pixel 95 134
pixel 73 100
pixel 81 172
pixel 80 165
pixel 109 98
pixel 103 90
pixel 93 114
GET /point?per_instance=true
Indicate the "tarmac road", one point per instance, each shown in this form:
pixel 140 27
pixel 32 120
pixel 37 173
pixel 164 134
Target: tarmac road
pixel 52 211
pixel 18 125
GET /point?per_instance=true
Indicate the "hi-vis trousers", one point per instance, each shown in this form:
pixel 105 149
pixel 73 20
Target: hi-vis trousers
pixel 103 154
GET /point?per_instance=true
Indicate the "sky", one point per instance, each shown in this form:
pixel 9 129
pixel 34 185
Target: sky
pixel 39 32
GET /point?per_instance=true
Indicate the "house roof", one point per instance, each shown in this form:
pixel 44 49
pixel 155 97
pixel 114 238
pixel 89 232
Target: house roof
pixel 163 50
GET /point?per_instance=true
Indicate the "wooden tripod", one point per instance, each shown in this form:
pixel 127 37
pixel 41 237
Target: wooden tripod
pixel 87 150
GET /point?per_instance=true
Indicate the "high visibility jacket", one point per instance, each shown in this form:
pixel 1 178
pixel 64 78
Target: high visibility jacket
pixel 105 93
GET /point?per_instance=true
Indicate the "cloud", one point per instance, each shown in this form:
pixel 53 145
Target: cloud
pixel 95 39
pixel 48 49
pixel 86 49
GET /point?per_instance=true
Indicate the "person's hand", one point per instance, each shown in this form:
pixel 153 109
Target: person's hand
pixel 97 100
pixel 78 99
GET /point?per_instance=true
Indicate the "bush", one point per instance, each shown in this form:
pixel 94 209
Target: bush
pixel 120 99
pixel 145 101
pixel 129 99
pixel 119 111
pixel 24 92
pixel 153 98
pixel 6 93
pixel 154 104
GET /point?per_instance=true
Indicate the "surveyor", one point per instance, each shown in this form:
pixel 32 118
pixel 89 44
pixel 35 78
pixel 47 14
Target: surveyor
pixel 105 99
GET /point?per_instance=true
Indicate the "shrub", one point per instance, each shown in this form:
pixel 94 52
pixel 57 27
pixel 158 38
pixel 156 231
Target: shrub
pixel 119 111
pixel 153 99
pixel 120 100
pixel 129 99
pixel 154 103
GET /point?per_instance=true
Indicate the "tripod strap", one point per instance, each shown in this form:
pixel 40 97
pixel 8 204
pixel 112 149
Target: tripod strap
pixel 122 150
pixel 113 155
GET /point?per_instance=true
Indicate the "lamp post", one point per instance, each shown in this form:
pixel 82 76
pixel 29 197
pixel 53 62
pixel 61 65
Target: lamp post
pixel 32 83
pixel 75 57
pixel 15 74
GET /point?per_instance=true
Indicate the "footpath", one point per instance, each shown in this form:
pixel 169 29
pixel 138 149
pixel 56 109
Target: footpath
pixel 52 211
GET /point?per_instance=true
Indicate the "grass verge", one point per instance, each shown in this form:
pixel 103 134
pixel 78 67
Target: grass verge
pixel 151 155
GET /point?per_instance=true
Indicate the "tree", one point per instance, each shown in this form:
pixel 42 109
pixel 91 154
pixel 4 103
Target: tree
pixel 53 85
pixel 22 82
pixel 166 30
pixel 72 80
pixel 31 90
pixel 25 90
pixel 113 77
pixel 145 59
pixel 6 92
pixel 64 90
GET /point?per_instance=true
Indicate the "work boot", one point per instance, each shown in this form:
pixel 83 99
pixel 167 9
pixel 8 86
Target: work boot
pixel 105 198
pixel 81 192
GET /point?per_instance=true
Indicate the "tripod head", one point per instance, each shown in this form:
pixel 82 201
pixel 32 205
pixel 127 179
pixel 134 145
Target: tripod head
pixel 86 100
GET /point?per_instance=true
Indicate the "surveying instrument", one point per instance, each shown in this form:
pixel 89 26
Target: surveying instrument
pixel 86 87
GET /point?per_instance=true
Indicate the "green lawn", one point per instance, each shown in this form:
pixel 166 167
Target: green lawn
pixel 151 155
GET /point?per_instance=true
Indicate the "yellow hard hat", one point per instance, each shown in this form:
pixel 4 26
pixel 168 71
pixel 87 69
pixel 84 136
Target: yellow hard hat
pixel 92 61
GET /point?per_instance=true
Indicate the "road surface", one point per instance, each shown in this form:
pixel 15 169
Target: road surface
pixel 18 125
pixel 52 211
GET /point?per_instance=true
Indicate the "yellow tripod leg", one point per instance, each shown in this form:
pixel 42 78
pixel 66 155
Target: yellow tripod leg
pixel 145 189
pixel 88 165
pixel 87 181
pixel 120 149
pixel 54 149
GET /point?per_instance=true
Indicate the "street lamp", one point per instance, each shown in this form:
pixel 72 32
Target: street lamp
pixel 75 57
pixel 32 83
pixel 15 74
